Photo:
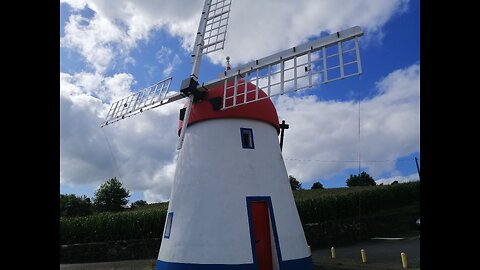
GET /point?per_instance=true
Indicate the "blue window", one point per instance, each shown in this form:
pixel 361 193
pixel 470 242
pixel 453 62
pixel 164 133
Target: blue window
pixel 247 138
pixel 168 225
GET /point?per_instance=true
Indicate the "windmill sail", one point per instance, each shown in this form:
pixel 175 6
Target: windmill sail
pixel 146 99
pixel 213 27
pixel 321 61
pixel 211 33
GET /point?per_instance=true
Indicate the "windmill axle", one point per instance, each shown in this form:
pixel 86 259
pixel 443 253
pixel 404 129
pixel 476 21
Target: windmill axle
pixel 189 87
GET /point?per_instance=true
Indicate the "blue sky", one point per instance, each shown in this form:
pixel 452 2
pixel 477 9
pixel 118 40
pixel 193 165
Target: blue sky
pixel 109 50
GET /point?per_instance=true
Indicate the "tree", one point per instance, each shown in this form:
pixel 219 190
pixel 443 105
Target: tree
pixel 138 203
pixel 294 184
pixel 317 185
pixel 71 205
pixel 111 196
pixel 363 179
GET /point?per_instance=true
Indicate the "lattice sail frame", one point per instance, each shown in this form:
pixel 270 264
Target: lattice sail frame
pixel 216 24
pixel 210 37
pixel 324 60
pixel 146 99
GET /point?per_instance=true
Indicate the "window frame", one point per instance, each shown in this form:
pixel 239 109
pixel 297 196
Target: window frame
pixel 168 225
pixel 248 131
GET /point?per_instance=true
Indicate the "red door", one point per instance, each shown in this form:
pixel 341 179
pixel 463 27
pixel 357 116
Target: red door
pixel 261 234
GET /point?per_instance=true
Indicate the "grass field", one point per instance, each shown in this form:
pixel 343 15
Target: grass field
pixel 301 195
pixel 334 206
pixel 161 206
pixel 335 216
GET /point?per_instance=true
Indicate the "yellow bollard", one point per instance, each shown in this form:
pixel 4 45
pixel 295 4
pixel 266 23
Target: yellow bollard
pixel 404 260
pixel 364 255
pixel 333 253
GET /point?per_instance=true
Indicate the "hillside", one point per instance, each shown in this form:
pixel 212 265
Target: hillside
pixel 373 206
pixel 330 217
pixel 301 195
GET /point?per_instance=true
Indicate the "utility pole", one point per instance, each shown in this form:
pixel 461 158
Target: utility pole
pixel 418 168
pixel 283 126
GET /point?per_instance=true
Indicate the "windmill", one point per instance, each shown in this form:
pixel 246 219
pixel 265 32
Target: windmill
pixel 231 206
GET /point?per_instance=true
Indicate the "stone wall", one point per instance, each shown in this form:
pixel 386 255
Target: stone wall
pixel 110 251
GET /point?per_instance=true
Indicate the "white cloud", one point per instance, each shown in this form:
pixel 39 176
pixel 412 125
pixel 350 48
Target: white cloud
pixel 116 28
pixel 129 60
pixel 94 85
pixel 260 28
pixel 160 185
pixel 75 4
pixel 256 28
pixel 323 135
pixel 171 66
pixel 93 38
pixel 399 179
pixel 138 151
pixel 164 56
pixel 144 148
pixel 116 87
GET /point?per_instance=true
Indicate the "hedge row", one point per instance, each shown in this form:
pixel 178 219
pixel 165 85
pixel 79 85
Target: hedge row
pixel 358 204
pixel 140 224
pixel 386 223
pixel 149 222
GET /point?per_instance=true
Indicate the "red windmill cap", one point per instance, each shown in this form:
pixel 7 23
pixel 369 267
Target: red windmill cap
pixel 262 110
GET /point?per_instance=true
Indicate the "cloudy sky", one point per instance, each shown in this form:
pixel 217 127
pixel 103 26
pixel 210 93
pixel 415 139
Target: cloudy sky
pixel 111 49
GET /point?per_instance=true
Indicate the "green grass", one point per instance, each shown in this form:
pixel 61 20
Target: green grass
pixel 314 206
pixel 163 206
pixel 150 267
pixel 301 195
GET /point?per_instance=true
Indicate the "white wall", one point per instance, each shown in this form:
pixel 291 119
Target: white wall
pixel 213 178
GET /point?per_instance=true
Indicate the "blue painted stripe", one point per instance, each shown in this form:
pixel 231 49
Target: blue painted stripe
pixel 299 264
pixel 161 265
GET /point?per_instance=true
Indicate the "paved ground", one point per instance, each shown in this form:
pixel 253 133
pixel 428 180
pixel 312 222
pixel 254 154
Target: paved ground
pixel 120 265
pixel 381 254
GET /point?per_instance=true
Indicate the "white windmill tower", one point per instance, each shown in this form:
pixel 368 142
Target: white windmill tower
pixel 231 206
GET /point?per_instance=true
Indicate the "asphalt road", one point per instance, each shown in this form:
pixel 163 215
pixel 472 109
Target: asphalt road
pixel 119 265
pixel 381 254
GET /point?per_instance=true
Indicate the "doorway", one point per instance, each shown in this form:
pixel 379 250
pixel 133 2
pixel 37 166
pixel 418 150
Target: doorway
pixel 263 233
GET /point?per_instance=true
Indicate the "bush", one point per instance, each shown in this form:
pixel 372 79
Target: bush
pixel 363 179
pixel 71 205
pixel 111 196
pixel 317 185
pixel 139 203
